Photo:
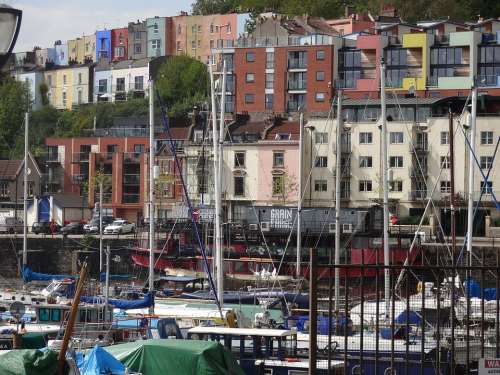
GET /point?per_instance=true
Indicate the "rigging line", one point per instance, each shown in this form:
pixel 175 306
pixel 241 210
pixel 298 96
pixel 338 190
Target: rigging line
pixel 485 180
pixel 476 208
pixel 173 149
pixel 166 242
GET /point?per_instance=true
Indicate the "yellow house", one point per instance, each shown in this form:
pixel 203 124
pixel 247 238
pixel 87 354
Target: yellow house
pixel 69 86
pixel 82 48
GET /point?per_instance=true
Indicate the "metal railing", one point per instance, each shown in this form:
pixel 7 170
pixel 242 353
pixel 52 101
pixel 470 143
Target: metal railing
pixel 298 84
pixel 130 198
pixel 131 179
pixel 80 157
pixel 440 316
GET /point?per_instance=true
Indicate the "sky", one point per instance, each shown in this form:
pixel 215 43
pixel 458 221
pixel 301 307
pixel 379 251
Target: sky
pixel 45 21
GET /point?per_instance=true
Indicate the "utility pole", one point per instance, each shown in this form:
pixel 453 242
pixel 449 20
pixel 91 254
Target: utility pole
pixel 25 191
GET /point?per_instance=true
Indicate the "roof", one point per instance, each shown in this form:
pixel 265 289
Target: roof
pixel 284 127
pixel 125 64
pixel 243 331
pixel 249 128
pixel 9 168
pixel 391 101
pixel 386 26
pixel 70 200
pixel 480 23
pixel 308 25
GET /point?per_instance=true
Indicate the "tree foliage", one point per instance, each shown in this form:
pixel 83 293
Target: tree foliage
pixel 182 83
pixel 204 7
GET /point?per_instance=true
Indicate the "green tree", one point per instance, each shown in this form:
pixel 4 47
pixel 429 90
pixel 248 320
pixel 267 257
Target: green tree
pixel 44 89
pixel 182 83
pixel 14 99
pixel 204 7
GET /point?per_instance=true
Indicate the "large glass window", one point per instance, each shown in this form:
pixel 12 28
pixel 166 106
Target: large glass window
pixel 297 60
pixel 269 60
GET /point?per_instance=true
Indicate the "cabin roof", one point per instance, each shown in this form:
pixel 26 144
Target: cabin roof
pixel 243 331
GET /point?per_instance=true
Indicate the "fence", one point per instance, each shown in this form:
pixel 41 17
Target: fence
pixel 439 317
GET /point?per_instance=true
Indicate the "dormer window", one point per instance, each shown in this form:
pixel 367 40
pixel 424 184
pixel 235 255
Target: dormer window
pixel 282 137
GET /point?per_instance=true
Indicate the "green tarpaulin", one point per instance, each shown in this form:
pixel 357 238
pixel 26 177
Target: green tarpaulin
pixel 29 362
pixel 179 357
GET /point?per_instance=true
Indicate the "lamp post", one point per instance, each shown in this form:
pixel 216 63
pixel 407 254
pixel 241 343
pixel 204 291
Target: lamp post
pixel 10 24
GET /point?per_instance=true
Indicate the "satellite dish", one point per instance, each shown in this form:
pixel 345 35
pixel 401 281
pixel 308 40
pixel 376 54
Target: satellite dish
pixel 17 310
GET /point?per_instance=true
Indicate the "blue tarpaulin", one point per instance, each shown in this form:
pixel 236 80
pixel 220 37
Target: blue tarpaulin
pixel 98 361
pixel 29 275
pixel 413 318
pixel 124 304
pixel 473 289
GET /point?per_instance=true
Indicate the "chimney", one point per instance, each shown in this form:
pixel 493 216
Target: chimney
pixel 349 10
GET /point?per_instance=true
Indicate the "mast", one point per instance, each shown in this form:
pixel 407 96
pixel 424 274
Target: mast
pixel 299 202
pixel 101 229
pixel 472 152
pixel 25 191
pixel 220 239
pixel 215 139
pixel 151 185
pixel 452 184
pixel 385 181
pixel 338 174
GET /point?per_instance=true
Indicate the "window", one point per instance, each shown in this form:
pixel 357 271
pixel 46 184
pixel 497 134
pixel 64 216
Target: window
pixel 239 186
pixel 278 185
pixel 137 48
pixel 64 97
pixel 80 78
pixel 282 136
pixel 269 80
pixel 396 185
pixel 249 98
pixel 365 185
pixel 320 185
pixel 320 55
pixel 211 28
pixel 250 56
pixel 278 159
pixel 212 44
pixel 80 97
pixel 445 162
pixel 155 28
pixel 320 76
pixel 55 315
pixel 365 138
pixel 445 187
pixel 486 138
pixel 321 138
pixel 179 46
pixel 445 138
pixel 321 162
pixel 199 28
pixel 269 98
pixel 138 149
pixel 64 79
pixel 486 188
pixel 345 189
pixel 49 80
pixel 31 188
pixel 193 44
pixel 103 85
pixel 250 77
pixel 155 44
pixel 228 28
pixel 239 159
pixel 396 161
pixel 396 137
pixel 137 35
pixel 297 60
pixel 179 29
pixel 120 51
pixel 44 314
pixel 320 96
pixel 120 84
pixel 139 83
pixel 365 162
pixel 4 188
pixel 269 60
pixel 486 162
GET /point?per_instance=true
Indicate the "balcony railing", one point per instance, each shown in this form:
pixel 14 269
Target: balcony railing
pixel 131 157
pixel 299 84
pixel 297 63
pixel 419 147
pixel 54 158
pixel 80 157
pixel 130 198
pixel 418 195
pixel 131 179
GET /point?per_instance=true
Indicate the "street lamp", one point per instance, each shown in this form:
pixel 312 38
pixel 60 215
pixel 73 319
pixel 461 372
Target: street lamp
pixel 10 23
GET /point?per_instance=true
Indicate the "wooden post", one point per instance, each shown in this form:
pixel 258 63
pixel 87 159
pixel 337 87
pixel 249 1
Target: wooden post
pixel 72 317
pixel 313 311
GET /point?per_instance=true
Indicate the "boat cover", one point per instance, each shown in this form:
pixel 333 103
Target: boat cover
pixel 29 275
pixel 474 290
pixel 98 361
pixel 413 318
pixel 124 304
pixel 179 357
pixel 29 362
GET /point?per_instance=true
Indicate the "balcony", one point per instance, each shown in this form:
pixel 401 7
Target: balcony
pixel 131 157
pixel 297 63
pixel 132 179
pixel 418 171
pixel 80 157
pixel 297 85
pixel 345 148
pixel 419 147
pixel 54 158
pixel 417 195
pixel 345 171
pixel 130 198
pixel 105 157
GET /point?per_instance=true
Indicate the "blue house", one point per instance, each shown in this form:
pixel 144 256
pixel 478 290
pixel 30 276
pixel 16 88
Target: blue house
pixel 103 45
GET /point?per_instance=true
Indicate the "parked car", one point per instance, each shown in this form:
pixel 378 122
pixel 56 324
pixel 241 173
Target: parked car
pixel 11 225
pixel 93 225
pixel 72 228
pixel 120 226
pixel 45 227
